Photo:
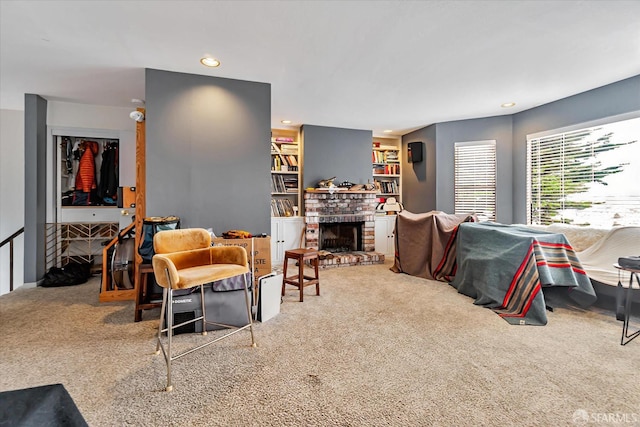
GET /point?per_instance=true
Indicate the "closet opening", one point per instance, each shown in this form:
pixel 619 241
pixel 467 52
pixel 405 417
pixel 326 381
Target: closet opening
pixel 89 169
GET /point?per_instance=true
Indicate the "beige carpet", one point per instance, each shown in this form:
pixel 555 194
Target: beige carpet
pixel 375 349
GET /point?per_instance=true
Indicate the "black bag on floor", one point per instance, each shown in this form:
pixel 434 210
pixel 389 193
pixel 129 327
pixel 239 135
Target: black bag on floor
pixel 69 275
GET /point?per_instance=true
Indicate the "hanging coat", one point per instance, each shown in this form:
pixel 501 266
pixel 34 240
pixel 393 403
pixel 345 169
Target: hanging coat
pixel 86 177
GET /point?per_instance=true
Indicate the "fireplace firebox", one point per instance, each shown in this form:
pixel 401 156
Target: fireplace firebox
pixel 340 237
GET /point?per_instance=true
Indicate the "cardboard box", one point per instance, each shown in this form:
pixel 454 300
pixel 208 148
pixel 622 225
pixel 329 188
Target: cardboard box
pixel 258 251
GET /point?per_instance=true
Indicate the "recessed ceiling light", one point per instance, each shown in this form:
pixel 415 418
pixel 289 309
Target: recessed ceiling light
pixel 508 104
pixel 209 62
pixel 387 131
pixel 285 122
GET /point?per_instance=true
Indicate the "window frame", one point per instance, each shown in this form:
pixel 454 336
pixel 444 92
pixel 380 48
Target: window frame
pixel 584 126
pixel 463 192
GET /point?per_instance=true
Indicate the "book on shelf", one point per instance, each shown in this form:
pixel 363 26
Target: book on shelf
pixel 277 184
pixel 386 169
pixel 284 183
pixel 387 187
pixel 392 169
pixel 289 149
pixel 290 183
pixel 283 160
pixel 281 207
pixel 391 156
pixel 388 156
pixel 282 139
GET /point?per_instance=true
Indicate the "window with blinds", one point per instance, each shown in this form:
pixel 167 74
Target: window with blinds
pixel 475 179
pixel 586 177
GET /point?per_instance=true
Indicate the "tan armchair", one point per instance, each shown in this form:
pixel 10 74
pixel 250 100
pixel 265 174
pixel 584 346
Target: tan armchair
pixel 185 259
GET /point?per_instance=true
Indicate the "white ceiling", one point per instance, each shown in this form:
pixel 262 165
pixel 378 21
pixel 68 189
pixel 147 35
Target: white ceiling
pixel 375 65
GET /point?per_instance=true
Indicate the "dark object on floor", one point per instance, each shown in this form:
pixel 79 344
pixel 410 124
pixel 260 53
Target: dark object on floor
pixel 69 275
pixel 49 405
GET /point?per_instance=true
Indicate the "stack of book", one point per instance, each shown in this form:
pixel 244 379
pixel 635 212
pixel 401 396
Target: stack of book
pixel 390 156
pixel 284 183
pixel 290 183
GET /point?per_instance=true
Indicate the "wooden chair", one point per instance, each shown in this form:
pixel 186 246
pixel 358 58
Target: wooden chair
pixel 144 293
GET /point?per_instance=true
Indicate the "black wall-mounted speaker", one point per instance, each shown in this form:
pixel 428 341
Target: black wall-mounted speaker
pixel 414 152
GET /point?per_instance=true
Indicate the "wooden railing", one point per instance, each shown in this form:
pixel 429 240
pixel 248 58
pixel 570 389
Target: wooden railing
pixel 10 241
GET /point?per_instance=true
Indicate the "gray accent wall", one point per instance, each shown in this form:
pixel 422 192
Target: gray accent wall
pixel 448 133
pixel 35 181
pixel 611 100
pixel 343 153
pixel 419 179
pixel 207 151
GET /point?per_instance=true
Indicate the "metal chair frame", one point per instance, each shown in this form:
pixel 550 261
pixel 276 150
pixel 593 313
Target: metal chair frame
pixel 167 307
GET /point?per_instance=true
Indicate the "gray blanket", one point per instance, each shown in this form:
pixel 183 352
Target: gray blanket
pixel 506 268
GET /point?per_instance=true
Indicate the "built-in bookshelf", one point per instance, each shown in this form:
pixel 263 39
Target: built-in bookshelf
pixel 285 173
pixel 386 167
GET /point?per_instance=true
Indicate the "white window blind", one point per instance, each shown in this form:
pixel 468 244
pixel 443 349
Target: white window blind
pixel 475 179
pixel 586 177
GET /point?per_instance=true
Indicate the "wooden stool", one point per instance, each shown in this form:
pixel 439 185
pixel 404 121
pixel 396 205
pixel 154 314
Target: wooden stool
pixel 143 294
pixel 300 280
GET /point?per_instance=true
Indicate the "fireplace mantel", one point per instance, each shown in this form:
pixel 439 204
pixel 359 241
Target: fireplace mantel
pixel 338 190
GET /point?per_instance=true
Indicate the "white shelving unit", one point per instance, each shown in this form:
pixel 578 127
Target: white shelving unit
pixel 386 167
pixel 285 173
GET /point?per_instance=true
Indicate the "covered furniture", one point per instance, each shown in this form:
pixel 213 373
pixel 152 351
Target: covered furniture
pixel 598 259
pixel 510 269
pixel 300 280
pixel 426 244
pixel 598 249
pixel 184 259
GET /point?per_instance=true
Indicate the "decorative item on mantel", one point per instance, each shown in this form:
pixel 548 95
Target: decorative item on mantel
pixel 326 183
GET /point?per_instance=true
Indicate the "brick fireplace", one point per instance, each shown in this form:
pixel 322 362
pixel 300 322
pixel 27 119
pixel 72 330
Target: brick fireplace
pixel 327 213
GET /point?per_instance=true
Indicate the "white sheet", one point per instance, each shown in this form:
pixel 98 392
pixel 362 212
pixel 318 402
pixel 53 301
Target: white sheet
pixel 598 259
